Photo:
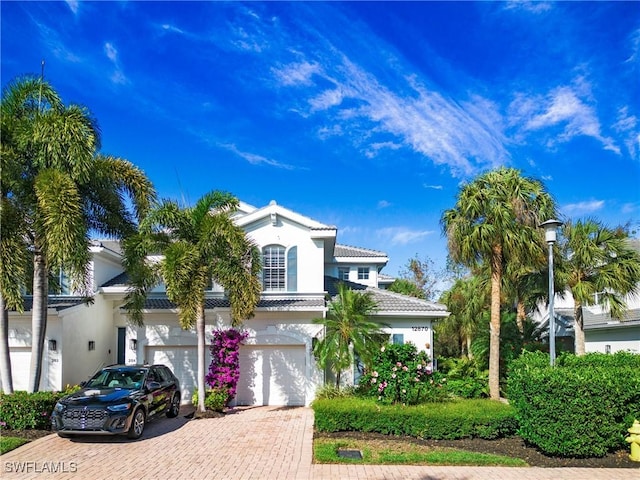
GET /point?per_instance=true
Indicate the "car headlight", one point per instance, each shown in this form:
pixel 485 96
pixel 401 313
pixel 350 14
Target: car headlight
pixel 59 407
pixel 123 407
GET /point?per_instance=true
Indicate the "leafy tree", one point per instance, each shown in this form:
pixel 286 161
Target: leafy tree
pixel 597 260
pixel 197 245
pixel 406 287
pixel 495 222
pixel 419 272
pixel 56 189
pixel 348 332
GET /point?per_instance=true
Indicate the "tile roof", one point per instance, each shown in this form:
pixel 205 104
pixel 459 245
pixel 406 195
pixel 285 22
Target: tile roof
pixel 162 303
pixel 349 251
pixel 121 280
pixel 387 301
pixel 57 303
pixel 595 321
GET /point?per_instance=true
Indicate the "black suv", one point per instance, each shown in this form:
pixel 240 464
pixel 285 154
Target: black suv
pixel 118 399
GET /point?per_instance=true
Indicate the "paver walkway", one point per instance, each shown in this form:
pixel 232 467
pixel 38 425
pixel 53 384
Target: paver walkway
pixel 262 443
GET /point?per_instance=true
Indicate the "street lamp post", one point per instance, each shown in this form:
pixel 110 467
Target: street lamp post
pixel 550 235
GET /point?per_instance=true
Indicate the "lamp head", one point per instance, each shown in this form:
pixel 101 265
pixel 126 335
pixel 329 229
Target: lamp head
pixel 551 230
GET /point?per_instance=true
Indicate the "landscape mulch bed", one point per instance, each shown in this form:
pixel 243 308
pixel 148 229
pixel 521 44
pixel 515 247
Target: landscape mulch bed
pixel 512 447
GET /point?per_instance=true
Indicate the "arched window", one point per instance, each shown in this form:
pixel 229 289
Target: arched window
pixel 279 268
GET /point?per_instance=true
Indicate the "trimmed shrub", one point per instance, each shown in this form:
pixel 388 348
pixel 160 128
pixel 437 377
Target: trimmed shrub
pixel 21 410
pixel 449 420
pixel 215 399
pixel 580 408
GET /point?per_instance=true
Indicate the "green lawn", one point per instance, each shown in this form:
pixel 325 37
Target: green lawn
pixel 382 452
pixel 9 443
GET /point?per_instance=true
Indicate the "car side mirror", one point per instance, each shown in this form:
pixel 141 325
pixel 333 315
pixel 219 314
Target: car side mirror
pixel 83 383
pixel 153 385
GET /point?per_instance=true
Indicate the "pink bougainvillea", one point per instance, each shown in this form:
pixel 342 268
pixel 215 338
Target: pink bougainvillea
pixel 224 371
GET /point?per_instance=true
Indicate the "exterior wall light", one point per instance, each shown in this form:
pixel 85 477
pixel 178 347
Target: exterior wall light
pixel 53 346
pixel 133 344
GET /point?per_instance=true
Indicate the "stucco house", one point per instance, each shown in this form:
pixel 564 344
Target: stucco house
pixel 302 264
pixel 602 333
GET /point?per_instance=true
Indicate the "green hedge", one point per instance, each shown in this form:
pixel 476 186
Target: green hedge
pixel 449 420
pixel 582 407
pixel 21 410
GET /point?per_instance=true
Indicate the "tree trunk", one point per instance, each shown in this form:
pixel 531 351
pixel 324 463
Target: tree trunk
pixel 469 352
pixel 38 317
pixel 521 314
pixel 578 329
pixel 5 353
pixel 494 338
pixel 200 331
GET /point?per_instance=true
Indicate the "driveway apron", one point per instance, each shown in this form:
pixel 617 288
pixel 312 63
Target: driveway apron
pixel 260 443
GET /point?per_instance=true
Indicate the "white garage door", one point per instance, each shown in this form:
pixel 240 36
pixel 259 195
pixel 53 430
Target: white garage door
pixel 272 375
pixel 183 361
pixel 20 366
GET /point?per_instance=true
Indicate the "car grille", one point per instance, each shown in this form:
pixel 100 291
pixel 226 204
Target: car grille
pixel 84 418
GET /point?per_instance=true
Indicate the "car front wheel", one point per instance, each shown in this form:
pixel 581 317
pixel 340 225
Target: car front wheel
pixel 174 407
pixel 137 424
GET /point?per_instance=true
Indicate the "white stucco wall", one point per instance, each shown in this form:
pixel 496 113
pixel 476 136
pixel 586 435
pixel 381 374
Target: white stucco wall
pixel 82 324
pixel 310 268
pixel 626 338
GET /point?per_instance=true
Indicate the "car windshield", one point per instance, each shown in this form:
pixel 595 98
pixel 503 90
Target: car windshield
pixel 120 378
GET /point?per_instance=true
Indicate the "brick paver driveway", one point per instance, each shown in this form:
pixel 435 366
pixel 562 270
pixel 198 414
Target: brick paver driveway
pixel 254 443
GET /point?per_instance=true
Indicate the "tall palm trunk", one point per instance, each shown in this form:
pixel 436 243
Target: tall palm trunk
pixel 200 331
pixel 494 336
pixel 521 314
pixel 38 317
pixel 5 353
pixel 578 329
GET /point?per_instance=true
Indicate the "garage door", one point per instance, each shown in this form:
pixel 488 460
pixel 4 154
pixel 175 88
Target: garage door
pixel 20 366
pixel 272 375
pixel 183 361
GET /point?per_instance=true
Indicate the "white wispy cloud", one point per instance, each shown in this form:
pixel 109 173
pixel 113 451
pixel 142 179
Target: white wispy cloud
pixel 446 131
pixel 296 73
pixel 403 235
pixel 172 28
pixel 255 159
pixel 531 6
pixel 383 204
pixel 73 5
pixel 118 75
pixel 562 107
pixel 433 187
pixel 582 208
pixel 627 125
pixel 374 148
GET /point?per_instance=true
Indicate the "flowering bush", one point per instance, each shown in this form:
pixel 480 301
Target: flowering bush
pixel 224 371
pixel 401 374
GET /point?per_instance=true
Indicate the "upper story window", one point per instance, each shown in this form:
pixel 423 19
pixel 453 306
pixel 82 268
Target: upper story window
pixel 279 268
pixel 363 273
pixel 343 273
pixel 59 283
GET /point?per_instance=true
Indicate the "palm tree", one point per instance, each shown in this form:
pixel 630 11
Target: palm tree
pixel 348 332
pixel 467 299
pixel 63 190
pixel 494 222
pixel 197 245
pixel 597 260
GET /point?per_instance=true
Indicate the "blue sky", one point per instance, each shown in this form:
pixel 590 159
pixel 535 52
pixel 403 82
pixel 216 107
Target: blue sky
pixel 364 115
